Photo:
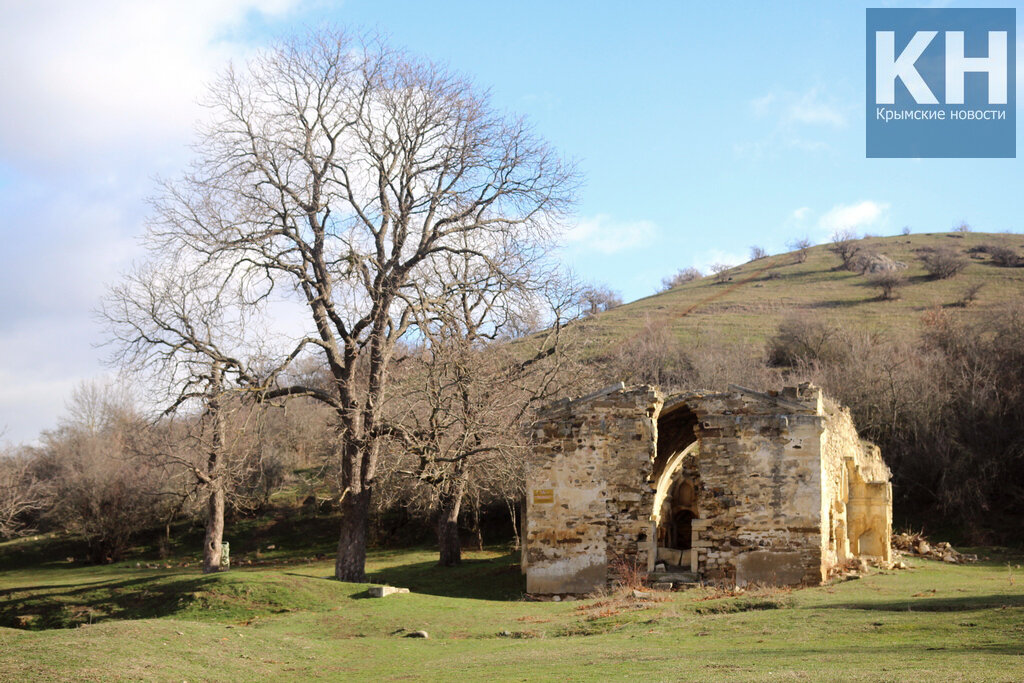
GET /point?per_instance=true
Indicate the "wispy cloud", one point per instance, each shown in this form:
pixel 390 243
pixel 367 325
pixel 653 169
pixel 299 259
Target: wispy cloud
pixel 796 120
pixel 604 234
pixel 801 213
pixel 855 217
pixel 810 108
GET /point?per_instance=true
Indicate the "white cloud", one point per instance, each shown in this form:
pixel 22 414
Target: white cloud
pixel 705 259
pixel 606 235
pixel 80 77
pixel 801 213
pixel 853 216
pixel 97 98
pixel 810 108
pixel 797 120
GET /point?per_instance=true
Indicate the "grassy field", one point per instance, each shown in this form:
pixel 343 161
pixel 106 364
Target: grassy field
pixel 288 620
pixel 748 307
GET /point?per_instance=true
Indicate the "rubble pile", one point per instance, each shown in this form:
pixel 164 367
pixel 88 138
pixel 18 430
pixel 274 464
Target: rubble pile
pixel 917 544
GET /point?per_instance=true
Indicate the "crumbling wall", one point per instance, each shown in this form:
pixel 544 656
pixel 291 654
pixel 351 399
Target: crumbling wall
pixel 784 488
pixel 761 497
pixel 588 501
pixel 858 491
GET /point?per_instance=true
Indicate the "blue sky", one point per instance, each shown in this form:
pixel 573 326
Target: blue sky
pixel 701 129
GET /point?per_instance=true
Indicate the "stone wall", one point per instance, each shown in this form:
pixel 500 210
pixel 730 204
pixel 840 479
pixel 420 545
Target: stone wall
pixel 784 488
pixel 587 498
pixel 858 491
pixel 760 503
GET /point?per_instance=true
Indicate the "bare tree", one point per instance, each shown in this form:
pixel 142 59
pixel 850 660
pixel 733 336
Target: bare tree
pixel 845 246
pixel 888 282
pixel 465 401
pixel 334 174
pixel 597 299
pixel 757 253
pixel 721 271
pixel 98 491
pixel 22 494
pixel 187 333
pixel 800 246
pixel 681 277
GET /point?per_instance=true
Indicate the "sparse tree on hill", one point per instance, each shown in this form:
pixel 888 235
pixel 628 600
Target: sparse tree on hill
pixel 800 247
pixel 336 174
pixel 757 253
pixel 721 271
pixel 943 263
pixel 888 282
pixel 681 277
pixel 597 299
pixel 845 246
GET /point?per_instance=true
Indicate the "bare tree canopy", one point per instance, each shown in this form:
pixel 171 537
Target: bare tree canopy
pixel 339 175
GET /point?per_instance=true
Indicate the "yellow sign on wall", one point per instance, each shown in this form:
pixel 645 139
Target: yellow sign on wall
pixel 543 496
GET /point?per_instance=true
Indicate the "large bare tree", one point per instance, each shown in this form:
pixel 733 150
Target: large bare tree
pixel 187 333
pixel 333 174
pixel 466 394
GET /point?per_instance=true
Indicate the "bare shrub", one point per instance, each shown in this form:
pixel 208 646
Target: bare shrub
pixel 962 226
pixel 597 299
pixel 888 283
pixel 969 295
pixel 799 246
pixel 681 277
pixel 757 253
pixel 804 339
pixel 653 356
pixel 845 245
pixel 721 271
pixel 905 230
pixel 1004 256
pixel 628 572
pixel 943 263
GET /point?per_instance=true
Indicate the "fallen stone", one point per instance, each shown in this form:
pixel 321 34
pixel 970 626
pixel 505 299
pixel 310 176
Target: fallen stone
pixel 384 591
pixel 641 595
pixel 661 586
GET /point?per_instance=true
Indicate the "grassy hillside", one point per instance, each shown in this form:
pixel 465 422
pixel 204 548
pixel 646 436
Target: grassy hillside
pixel 289 620
pixel 757 295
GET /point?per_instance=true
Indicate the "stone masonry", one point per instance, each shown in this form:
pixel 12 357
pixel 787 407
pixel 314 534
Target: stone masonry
pixel 741 487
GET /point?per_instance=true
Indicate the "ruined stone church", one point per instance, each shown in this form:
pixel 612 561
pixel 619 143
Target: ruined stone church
pixel 739 487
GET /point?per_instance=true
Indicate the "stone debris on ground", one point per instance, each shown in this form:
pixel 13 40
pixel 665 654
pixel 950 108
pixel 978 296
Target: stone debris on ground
pixel 384 591
pixel 916 544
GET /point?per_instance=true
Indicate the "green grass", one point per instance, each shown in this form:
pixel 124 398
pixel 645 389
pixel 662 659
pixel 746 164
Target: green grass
pixel 748 308
pixel 290 621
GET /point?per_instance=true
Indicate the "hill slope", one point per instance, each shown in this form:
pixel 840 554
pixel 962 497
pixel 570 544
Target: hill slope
pixel 757 295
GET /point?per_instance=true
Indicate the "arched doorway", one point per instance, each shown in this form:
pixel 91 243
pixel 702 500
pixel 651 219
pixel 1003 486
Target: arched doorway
pixel 676 506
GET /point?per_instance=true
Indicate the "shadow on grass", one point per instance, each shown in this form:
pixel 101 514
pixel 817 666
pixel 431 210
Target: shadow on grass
pixel 960 604
pixel 47 607
pixel 499 578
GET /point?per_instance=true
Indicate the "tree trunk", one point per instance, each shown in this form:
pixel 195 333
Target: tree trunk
pixel 515 525
pixel 214 531
pixel 350 564
pixel 448 542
